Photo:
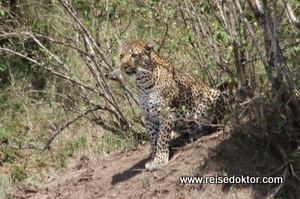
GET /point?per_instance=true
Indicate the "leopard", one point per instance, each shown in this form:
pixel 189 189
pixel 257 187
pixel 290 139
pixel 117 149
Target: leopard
pixel 170 99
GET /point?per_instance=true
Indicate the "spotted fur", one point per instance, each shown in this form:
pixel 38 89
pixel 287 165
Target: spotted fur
pixel 170 99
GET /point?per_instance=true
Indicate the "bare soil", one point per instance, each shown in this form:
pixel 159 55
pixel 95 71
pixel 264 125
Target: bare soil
pixel 223 153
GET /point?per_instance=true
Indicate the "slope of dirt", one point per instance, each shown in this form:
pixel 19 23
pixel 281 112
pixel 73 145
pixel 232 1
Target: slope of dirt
pixel 122 175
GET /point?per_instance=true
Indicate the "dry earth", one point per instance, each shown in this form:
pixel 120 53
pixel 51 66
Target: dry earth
pixel 227 152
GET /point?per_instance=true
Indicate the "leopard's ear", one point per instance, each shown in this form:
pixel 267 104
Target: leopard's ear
pixel 149 45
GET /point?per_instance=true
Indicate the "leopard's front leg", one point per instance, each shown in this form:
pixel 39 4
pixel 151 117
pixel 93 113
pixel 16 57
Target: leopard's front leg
pixel 152 127
pixel 161 154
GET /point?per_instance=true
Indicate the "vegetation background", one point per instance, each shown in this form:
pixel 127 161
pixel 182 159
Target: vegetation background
pixel 63 97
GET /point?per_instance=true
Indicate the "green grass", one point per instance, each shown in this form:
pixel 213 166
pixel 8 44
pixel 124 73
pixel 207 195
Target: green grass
pixel 33 117
pixel 5 186
pixel 72 146
pixel 23 124
pixel 111 142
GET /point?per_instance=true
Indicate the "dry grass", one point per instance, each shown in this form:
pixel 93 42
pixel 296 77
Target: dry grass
pixel 194 36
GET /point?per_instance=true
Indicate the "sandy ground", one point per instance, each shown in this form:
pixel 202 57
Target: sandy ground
pixel 223 153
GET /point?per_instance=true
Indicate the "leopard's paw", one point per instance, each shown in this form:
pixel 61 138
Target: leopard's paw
pixel 156 164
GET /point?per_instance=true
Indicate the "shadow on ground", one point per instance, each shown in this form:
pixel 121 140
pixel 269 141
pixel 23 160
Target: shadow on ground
pixel 138 167
pixel 232 151
pixel 131 172
pixel 239 152
pixel 246 153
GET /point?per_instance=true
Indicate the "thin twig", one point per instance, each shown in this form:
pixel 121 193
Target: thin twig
pixel 47 145
pixel 276 191
pixel 164 39
pixel 291 15
pixel 52 71
pixel 51 93
pixel 251 31
pixel 281 167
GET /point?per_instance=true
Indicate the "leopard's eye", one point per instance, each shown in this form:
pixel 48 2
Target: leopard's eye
pixel 121 56
pixel 134 55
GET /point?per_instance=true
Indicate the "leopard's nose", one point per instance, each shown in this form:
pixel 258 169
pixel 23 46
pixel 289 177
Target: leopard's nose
pixel 124 67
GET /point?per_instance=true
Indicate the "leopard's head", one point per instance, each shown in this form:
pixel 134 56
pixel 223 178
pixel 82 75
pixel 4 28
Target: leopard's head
pixel 135 56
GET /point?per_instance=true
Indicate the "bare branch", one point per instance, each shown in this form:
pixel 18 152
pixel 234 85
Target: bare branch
pixel 86 32
pixel 66 125
pixel 294 21
pixel 51 93
pixel 164 39
pixel 51 70
pixel 251 31
pixel 47 145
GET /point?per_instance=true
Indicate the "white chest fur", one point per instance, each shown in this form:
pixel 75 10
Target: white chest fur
pixel 151 103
